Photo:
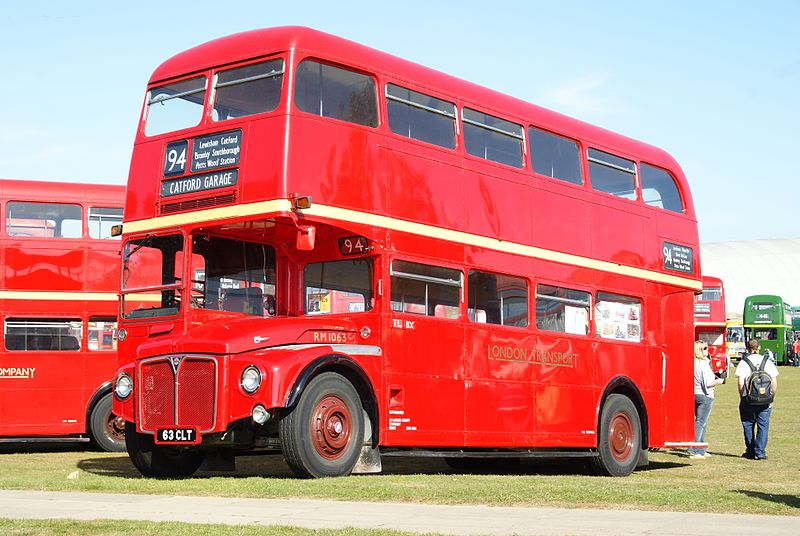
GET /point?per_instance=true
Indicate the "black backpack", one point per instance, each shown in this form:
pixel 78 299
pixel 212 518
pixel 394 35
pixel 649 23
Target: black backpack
pixel 758 387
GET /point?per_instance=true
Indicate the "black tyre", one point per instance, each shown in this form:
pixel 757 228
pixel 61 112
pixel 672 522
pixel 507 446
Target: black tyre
pixel 322 436
pixel 106 429
pixel 160 461
pixel 620 437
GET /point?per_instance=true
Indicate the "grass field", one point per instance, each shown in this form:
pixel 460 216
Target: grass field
pixel 724 482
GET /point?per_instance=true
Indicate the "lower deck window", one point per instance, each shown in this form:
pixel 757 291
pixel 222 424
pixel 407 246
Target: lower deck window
pixel 562 309
pixel 618 317
pixel 497 299
pixel 338 287
pixel 43 334
pixel 102 333
pixel 426 290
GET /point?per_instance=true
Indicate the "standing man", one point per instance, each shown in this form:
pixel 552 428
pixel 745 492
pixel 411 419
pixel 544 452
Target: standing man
pixel 755 417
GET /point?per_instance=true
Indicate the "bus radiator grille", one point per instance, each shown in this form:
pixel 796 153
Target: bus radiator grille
pixel 157 388
pixel 196 393
pixel 186 399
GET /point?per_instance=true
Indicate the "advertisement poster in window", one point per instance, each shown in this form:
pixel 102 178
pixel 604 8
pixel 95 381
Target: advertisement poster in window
pixel 621 321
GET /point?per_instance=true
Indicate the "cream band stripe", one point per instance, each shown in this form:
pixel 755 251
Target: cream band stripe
pixel 375 220
pixel 64 296
pixel 38 295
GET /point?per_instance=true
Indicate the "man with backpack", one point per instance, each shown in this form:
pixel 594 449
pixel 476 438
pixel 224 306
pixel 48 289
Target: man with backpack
pixel 758 382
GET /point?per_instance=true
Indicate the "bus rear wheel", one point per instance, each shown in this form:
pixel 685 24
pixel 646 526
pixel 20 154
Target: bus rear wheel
pixel 106 429
pixel 322 436
pixel 159 461
pixel 620 437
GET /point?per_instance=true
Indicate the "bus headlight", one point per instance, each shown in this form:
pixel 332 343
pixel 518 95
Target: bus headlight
pixel 251 379
pixel 123 386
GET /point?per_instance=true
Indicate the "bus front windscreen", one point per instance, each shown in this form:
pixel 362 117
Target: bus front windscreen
pixel 151 276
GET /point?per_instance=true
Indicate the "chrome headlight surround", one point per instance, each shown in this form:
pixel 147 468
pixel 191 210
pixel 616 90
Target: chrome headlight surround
pixel 251 379
pixel 123 386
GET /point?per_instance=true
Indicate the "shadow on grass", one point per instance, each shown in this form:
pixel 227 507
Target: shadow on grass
pixel 792 501
pixel 274 466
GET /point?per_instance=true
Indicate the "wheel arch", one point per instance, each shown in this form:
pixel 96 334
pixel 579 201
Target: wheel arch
pixel 101 391
pixel 622 385
pixel 353 372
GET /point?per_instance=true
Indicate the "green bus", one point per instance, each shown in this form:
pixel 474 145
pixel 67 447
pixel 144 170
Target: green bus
pixel 769 319
pixel 796 320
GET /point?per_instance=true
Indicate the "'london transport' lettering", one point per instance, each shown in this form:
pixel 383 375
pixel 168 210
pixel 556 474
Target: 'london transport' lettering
pixel 499 352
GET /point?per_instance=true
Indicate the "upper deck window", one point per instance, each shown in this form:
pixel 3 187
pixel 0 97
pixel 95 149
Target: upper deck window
pixel 44 220
pixel 248 90
pixel 612 174
pixel 175 106
pixel 421 117
pixel 711 294
pixel 338 93
pixel 102 219
pixel 492 138
pixel 554 156
pixel 659 189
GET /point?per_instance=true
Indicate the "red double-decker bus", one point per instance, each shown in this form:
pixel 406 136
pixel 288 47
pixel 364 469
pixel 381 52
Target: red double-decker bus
pixel 58 306
pixel 361 257
pixel 710 323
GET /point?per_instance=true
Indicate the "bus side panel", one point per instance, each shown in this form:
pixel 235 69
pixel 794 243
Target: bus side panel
pixel 678 375
pixel 566 392
pixel 500 375
pixel 337 164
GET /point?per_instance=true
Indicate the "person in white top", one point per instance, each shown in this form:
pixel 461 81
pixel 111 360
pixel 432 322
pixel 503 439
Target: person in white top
pixel 704 382
pixel 755 418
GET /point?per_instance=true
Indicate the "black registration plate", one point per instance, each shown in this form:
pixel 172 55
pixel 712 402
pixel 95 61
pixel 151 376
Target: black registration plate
pixel 177 436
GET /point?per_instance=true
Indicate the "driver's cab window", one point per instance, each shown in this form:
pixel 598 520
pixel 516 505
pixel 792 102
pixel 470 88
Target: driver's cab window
pixel 232 275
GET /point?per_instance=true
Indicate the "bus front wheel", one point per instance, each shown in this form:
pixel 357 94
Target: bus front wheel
pixel 620 437
pixel 159 461
pixel 106 429
pixel 322 436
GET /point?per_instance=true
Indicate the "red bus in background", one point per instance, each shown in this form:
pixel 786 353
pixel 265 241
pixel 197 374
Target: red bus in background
pixel 361 257
pixel 58 307
pixel 710 323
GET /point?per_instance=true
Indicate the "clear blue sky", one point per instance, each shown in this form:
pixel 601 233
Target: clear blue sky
pixel 714 83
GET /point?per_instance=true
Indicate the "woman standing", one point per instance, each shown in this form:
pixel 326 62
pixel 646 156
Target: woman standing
pixel 704 382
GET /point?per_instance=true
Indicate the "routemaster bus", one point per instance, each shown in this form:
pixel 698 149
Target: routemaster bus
pixel 58 306
pixel 734 340
pixel 360 257
pixel 768 318
pixel 709 323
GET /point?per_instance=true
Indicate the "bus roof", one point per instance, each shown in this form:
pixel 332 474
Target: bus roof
pixel 258 43
pixel 50 191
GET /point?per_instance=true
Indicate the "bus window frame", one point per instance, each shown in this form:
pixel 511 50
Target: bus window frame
pixel 208 114
pixel 205 73
pixel 380 110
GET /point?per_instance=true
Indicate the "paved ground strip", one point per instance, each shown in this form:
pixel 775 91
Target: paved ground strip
pixel 318 514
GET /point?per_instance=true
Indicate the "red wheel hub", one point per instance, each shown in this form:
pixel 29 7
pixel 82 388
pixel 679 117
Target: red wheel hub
pixel 331 427
pixel 115 427
pixel 621 437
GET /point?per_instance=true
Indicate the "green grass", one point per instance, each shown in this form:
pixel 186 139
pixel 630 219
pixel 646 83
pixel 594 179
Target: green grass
pixel 14 527
pixel 723 483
